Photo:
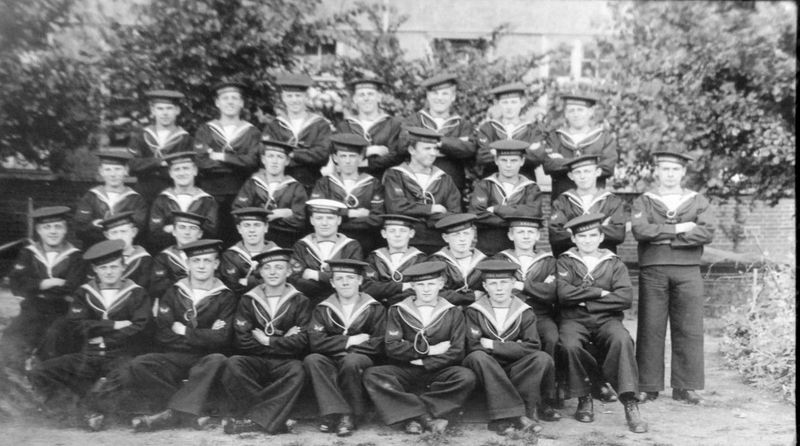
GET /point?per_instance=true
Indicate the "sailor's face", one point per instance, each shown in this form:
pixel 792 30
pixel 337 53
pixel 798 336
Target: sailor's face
pixel 202 267
pixel 441 99
pixel 346 284
pixel 109 273
pixel 52 233
pixel 252 231
pixel 275 273
pixel 499 290
pixel 427 291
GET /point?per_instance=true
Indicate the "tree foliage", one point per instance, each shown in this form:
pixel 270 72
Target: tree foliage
pixel 50 101
pixel 716 79
pixel 190 45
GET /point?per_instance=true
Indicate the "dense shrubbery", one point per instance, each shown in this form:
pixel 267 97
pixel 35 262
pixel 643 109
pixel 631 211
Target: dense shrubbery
pixel 759 339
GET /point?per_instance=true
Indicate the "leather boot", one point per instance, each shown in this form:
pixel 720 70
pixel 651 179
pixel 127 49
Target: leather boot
pixel 585 412
pixel 346 426
pixel 687 395
pixel 644 397
pixel 633 417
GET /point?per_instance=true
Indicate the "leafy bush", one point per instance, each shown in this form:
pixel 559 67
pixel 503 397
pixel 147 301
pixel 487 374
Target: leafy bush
pixel 759 339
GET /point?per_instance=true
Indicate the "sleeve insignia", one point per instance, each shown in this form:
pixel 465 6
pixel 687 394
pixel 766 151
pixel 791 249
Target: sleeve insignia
pixel 198 146
pixel 240 323
pixel 156 219
pixel 394 333
pixel 159 272
pixel 398 190
pixel 19 266
pixel 163 310
pixel 230 270
pixel 637 215
pixel 84 211
pixel 554 216
pixel 76 310
pixel 318 327
pixel 475 331
pixel 242 199
pixel 550 279
pixel 563 273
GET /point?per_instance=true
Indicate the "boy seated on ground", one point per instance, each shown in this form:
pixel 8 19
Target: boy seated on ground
pixel 501 194
pixel 112 313
pixel 462 280
pixel 265 377
pixel 237 267
pixel 310 273
pixel 280 194
pixel 504 351
pixel 360 192
pixel 384 280
pixel 345 337
pixel 44 274
pixel 112 197
pixel 419 189
pixel 184 196
pixel 586 197
pixel 424 344
pixel 193 331
pixel 593 290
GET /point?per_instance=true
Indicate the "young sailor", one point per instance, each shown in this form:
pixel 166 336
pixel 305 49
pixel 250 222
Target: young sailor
pixel 138 262
pixel 424 344
pixel 345 337
pixel 671 224
pixel 194 327
pixel 170 264
pixel 228 148
pixel 456 148
pixel 310 272
pixel 504 351
pixel 593 290
pixel 265 377
pixel 183 196
pixel 371 123
pixel 237 268
pixel 586 197
pixel 112 313
pixel 419 189
pixel 308 132
pixel 112 197
pixel 384 280
pixel 280 194
pixel 509 100
pixel 43 275
pixel 150 144
pixel 360 192
pixel 501 194
pixel 462 280
pixel 577 138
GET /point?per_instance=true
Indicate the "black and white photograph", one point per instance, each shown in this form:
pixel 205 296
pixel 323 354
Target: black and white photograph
pixel 398 222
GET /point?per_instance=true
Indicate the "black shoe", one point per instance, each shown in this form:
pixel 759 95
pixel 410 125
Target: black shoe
pixel 327 424
pixel 605 393
pixel 502 426
pixel 687 395
pixel 644 397
pixel 94 422
pixel 413 427
pixel 345 427
pixel 435 425
pixel 161 420
pixel 633 417
pixel 585 412
pixel 526 424
pixel 548 413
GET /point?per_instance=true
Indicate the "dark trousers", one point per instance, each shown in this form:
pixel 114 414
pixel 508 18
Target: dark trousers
pixel 390 387
pixel 26 332
pixel 159 376
pixel 512 389
pixel 337 382
pixel 76 372
pixel 674 293
pixel 610 337
pixel 265 389
pixel 548 333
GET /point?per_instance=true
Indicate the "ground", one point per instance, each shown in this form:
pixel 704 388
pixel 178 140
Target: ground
pixel 733 414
